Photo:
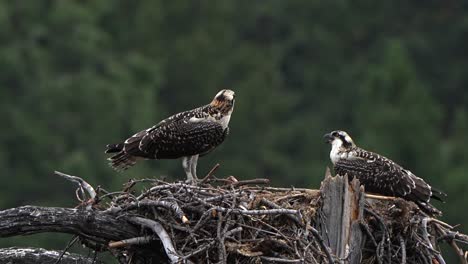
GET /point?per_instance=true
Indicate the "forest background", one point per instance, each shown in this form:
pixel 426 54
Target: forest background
pixel 77 75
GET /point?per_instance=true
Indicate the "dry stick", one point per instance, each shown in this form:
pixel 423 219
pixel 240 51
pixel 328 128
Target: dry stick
pixel 379 197
pixel 110 194
pixel 174 207
pixel 380 247
pixel 205 217
pixel 428 241
pixel 279 260
pixel 82 183
pixel 221 197
pixel 247 182
pixel 210 173
pixel 221 248
pixel 131 241
pixel 248 212
pixel 281 189
pixel 440 223
pixel 79 181
pixel 72 241
pixel 162 234
pixel 175 185
pixel 459 252
pixel 295 218
pixel 207 246
pixel 322 244
pixel 403 250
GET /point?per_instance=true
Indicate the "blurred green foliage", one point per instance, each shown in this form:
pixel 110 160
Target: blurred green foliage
pixel 77 75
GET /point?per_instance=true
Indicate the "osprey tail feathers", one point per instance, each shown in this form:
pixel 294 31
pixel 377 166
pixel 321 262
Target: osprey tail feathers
pixel 112 148
pixel 438 195
pixel 122 161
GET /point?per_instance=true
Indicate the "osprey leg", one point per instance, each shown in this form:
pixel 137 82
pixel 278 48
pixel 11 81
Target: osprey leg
pixel 186 163
pixel 193 169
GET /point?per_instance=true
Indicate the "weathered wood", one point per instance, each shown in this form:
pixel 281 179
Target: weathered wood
pixel 341 212
pixel 16 255
pixel 93 225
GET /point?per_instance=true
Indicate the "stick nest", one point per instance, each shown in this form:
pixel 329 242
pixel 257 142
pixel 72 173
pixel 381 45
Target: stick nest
pixel 230 221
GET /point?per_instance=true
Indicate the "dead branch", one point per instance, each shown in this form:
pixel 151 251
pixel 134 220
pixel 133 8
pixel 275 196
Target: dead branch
pixel 131 242
pixel 159 230
pixel 83 185
pixel 92 225
pixel 38 255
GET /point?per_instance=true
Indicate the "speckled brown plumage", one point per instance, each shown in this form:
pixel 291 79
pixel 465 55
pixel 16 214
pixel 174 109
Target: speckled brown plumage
pixel 379 174
pixel 194 132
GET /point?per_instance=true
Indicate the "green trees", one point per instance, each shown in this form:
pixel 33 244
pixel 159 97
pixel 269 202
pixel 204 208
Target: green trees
pixel 76 75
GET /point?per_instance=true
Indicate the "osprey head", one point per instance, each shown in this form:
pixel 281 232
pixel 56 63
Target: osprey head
pixel 339 139
pixel 224 101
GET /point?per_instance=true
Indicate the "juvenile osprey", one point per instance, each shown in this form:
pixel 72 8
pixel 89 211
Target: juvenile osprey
pixel 185 135
pixel 379 174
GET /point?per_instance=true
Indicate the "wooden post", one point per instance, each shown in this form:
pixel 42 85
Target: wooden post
pixel 340 215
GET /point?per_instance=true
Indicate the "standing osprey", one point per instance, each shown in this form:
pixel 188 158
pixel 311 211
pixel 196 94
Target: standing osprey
pixel 185 135
pixel 379 174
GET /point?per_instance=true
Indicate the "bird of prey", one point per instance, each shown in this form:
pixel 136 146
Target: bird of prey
pixel 379 174
pixel 185 135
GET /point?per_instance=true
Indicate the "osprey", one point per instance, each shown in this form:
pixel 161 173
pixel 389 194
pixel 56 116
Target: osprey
pixel 379 174
pixel 185 135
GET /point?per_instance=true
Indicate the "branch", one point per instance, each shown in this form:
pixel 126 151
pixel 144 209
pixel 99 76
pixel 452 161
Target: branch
pixel 249 212
pixel 39 255
pixel 159 230
pixel 95 226
pixel 83 185
pixel 131 241
pixel 428 241
pixel 165 204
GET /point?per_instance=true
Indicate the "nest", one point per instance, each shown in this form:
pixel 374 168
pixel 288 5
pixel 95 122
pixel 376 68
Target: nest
pixel 230 221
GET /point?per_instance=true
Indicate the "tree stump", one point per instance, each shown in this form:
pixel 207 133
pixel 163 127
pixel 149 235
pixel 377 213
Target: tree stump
pixel 342 211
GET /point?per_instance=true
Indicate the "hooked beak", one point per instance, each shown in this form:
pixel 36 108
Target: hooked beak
pixel 328 137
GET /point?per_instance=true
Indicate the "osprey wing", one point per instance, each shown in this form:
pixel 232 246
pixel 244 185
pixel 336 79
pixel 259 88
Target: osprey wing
pixel 381 175
pixel 184 137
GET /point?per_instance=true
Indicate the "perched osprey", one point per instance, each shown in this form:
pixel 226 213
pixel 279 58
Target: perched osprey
pixel 185 135
pixel 379 174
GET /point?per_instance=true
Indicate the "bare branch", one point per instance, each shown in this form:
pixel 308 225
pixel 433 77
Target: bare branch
pixel 131 242
pixel 95 226
pixel 159 230
pixel 39 255
pixel 82 184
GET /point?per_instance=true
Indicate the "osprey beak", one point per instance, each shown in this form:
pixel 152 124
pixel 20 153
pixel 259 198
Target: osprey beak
pixel 328 137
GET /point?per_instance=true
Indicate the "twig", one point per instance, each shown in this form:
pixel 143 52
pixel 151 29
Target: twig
pixel 459 252
pixel 69 245
pixel 220 239
pixel 275 206
pixel 83 184
pixel 162 234
pixel 210 244
pixel 210 173
pixel 173 186
pixel 80 181
pixel 425 235
pixel 247 182
pixel 403 250
pixel 174 207
pixel 131 241
pixel 280 260
pixel 325 249
pixel 380 197
pixel 369 234
pixel 249 212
